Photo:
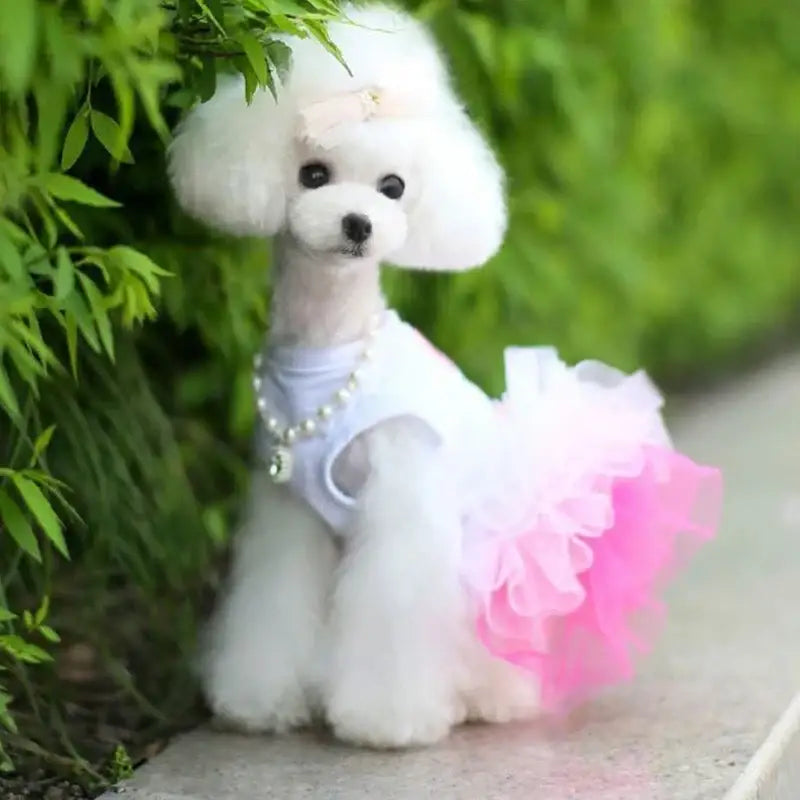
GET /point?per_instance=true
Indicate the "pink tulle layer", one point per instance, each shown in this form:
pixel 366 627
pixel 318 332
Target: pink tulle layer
pixel 567 587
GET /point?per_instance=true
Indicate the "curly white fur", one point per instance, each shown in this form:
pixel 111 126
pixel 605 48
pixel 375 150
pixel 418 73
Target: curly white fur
pixel 371 631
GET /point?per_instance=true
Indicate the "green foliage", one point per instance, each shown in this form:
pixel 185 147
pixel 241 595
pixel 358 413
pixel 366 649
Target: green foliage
pixel 121 765
pixel 651 157
pixel 115 484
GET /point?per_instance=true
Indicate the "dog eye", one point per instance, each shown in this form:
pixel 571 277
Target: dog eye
pixel 392 186
pixel 314 175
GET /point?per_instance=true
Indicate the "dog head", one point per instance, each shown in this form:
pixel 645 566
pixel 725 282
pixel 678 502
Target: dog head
pixel 378 162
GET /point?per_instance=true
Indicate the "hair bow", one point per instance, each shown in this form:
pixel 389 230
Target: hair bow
pixel 318 118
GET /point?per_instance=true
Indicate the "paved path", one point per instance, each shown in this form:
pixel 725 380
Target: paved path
pixel 726 670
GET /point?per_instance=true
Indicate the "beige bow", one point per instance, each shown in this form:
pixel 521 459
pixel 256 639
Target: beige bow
pixel 318 118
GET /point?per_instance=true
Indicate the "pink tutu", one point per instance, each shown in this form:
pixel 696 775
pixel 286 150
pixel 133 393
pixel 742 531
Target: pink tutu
pixel 579 514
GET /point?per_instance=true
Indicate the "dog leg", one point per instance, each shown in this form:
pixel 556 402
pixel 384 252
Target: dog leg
pixel 495 690
pixel 397 603
pixel 258 665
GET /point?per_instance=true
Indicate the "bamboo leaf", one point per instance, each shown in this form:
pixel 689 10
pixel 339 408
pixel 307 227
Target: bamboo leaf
pixel 65 187
pixel 254 52
pixel 18 43
pixel 8 398
pixel 10 259
pixel 40 507
pixel 15 522
pixel 75 141
pixel 78 314
pixel 24 651
pixel 110 135
pixel 42 442
pixel 100 314
pixel 49 634
pixel 65 274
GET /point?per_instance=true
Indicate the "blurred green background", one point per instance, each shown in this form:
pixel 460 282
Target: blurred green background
pixel 652 156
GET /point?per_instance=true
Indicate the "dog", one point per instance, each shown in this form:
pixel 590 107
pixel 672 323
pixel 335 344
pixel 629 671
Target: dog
pixel 366 627
pixel 347 600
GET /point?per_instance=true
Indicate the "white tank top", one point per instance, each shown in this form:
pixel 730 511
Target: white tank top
pixel 407 377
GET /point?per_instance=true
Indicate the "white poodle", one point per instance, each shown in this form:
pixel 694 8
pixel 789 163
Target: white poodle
pixel 365 624
pixel 348 598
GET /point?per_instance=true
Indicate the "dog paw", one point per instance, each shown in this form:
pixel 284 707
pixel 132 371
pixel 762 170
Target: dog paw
pixel 404 724
pixel 508 697
pixel 253 714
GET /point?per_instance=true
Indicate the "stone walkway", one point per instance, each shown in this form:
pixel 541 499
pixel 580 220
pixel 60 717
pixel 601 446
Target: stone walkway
pixel 727 669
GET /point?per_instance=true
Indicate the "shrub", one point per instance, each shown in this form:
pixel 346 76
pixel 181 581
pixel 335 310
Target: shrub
pixel 650 149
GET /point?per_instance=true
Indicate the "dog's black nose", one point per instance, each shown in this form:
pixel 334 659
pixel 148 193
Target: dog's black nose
pixel 357 228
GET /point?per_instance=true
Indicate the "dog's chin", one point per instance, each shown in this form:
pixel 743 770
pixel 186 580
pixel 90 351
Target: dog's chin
pixel 354 251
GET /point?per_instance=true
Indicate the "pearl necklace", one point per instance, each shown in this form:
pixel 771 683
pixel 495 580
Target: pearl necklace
pixel 280 459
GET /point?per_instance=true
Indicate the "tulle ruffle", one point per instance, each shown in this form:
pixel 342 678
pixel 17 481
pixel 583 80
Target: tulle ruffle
pixel 580 511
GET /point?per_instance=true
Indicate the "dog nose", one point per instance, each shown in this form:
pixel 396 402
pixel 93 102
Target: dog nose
pixel 357 227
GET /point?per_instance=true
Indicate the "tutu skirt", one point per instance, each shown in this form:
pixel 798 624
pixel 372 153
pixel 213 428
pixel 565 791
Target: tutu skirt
pixel 579 511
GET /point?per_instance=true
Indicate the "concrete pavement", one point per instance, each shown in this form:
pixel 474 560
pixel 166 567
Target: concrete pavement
pixel 727 668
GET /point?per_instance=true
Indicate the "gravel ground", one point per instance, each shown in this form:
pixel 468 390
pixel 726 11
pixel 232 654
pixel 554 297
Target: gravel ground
pixel 33 787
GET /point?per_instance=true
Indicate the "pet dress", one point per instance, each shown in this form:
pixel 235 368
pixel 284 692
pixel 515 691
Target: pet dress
pixel 575 507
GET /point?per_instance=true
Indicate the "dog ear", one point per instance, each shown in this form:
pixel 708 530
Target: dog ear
pixel 226 162
pixel 457 219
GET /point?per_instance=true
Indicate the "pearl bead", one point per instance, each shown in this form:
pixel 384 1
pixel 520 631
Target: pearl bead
pixel 257 383
pixel 262 405
pixel 325 412
pixel 290 436
pixel 272 424
pixel 308 426
pixel 352 383
pixel 369 354
pixel 342 396
pixel 257 360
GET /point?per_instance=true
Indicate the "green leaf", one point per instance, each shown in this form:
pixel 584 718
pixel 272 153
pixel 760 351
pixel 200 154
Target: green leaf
pixel 6 719
pixel 18 43
pixel 110 135
pixel 100 313
pixel 32 338
pixel 8 398
pixel 42 442
pixel 42 611
pixel 10 259
pixel 6 615
pixel 206 79
pixel 71 333
pixel 14 232
pixel 75 140
pixel 40 507
pixel 65 187
pixel 18 527
pixel 280 54
pixel 139 263
pixel 49 634
pixel 214 11
pixel 67 221
pixel 51 105
pixel 185 10
pixel 18 648
pixel 250 79
pixel 27 618
pixel 65 274
pixel 254 51
pixel 50 227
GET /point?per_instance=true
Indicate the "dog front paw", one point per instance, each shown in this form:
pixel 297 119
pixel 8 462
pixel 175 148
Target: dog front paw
pixel 246 710
pixel 389 723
